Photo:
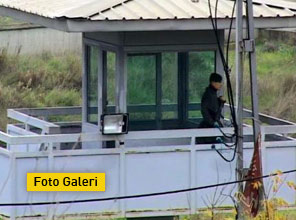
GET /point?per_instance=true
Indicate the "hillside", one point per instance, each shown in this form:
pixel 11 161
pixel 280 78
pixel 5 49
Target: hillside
pixel 276 69
pixel 38 81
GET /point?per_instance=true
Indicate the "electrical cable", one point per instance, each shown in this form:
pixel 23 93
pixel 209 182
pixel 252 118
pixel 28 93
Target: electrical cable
pixel 149 194
pixel 222 156
pixel 225 64
pixel 226 68
pixel 229 32
pixel 227 71
pixel 224 134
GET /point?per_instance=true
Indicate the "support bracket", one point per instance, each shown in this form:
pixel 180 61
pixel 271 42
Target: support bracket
pixel 249 45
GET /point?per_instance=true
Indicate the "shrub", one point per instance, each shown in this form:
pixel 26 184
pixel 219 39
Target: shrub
pixel 38 81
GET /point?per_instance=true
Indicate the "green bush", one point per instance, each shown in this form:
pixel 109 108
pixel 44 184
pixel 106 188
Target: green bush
pixel 58 97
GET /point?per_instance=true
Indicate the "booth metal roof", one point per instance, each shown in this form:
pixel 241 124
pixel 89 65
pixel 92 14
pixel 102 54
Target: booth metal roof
pixel 138 10
pixel 143 9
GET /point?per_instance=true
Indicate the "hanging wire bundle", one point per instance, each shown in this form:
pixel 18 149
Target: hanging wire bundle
pixel 227 70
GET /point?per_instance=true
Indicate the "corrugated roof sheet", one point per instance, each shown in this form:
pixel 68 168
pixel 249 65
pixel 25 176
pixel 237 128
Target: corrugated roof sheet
pixel 143 9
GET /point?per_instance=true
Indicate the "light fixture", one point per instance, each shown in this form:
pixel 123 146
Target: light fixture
pixel 114 123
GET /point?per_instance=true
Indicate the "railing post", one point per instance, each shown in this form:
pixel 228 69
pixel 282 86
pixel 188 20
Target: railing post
pixel 263 150
pixel 122 182
pixel 27 128
pixel 192 177
pixel 13 187
pixel 50 169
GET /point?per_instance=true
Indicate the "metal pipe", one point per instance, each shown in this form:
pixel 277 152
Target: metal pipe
pixel 239 98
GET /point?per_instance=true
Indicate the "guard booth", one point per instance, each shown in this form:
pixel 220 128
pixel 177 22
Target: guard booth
pixel 160 86
pixel 151 59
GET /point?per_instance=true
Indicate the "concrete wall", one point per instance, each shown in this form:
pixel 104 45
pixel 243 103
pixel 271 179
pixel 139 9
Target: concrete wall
pixel 232 35
pixel 36 40
pixel 32 41
pixel 286 35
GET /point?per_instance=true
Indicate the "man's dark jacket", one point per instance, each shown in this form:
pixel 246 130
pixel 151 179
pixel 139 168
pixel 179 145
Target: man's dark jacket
pixel 211 107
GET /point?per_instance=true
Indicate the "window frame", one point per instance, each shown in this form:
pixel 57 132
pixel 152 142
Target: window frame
pixel 102 46
pixel 183 113
pixel 87 62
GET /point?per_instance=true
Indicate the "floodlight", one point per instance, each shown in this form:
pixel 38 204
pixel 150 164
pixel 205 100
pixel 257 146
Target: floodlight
pixel 114 123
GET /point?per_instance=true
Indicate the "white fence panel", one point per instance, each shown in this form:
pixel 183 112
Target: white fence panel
pixel 5 183
pixel 108 164
pixel 129 172
pixel 281 158
pixel 16 131
pixel 157 172
pixel 24 166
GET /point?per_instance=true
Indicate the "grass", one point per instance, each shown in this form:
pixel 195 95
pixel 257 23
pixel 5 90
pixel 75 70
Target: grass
pixel 276 74
pixel 38 81
pixel 289 214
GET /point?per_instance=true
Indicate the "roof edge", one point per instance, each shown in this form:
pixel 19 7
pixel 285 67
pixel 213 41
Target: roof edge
pixel 58 24
pixel 170 25
pixel 84 25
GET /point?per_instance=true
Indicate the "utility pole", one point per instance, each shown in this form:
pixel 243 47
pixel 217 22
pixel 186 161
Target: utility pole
pixel 251 48
pixel 239 99
pixel 253 71
pixel 247 45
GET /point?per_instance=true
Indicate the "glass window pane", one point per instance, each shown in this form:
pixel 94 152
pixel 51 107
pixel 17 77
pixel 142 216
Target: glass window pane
pixel 169 85
pixel 92 84
pixel 141 87
pixel 201 65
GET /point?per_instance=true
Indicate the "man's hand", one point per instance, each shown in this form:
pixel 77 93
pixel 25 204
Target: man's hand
pixel 222 99
pixel 216 125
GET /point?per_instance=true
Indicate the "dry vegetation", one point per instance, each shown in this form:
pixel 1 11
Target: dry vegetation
pixel 276 71
pixel 38 81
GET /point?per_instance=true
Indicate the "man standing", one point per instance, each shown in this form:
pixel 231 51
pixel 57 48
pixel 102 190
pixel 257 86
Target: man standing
pixel 211 105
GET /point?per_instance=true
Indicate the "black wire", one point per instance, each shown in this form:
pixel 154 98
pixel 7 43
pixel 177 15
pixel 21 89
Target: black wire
pixel 227 73
pixel 228 145
pixel 247 19
pixel 229 33
pixel 225 64
pixel 147 194
pixel 221 155
pixel 224 134
pixel 216 10
pixel 227 69
pixel 224 158
pixel 216 35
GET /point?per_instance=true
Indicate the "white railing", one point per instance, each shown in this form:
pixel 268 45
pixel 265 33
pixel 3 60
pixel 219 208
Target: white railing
pixel 123 151
pixel 46 127
pixel 56 159
pixel 142 135
pixel 51 132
